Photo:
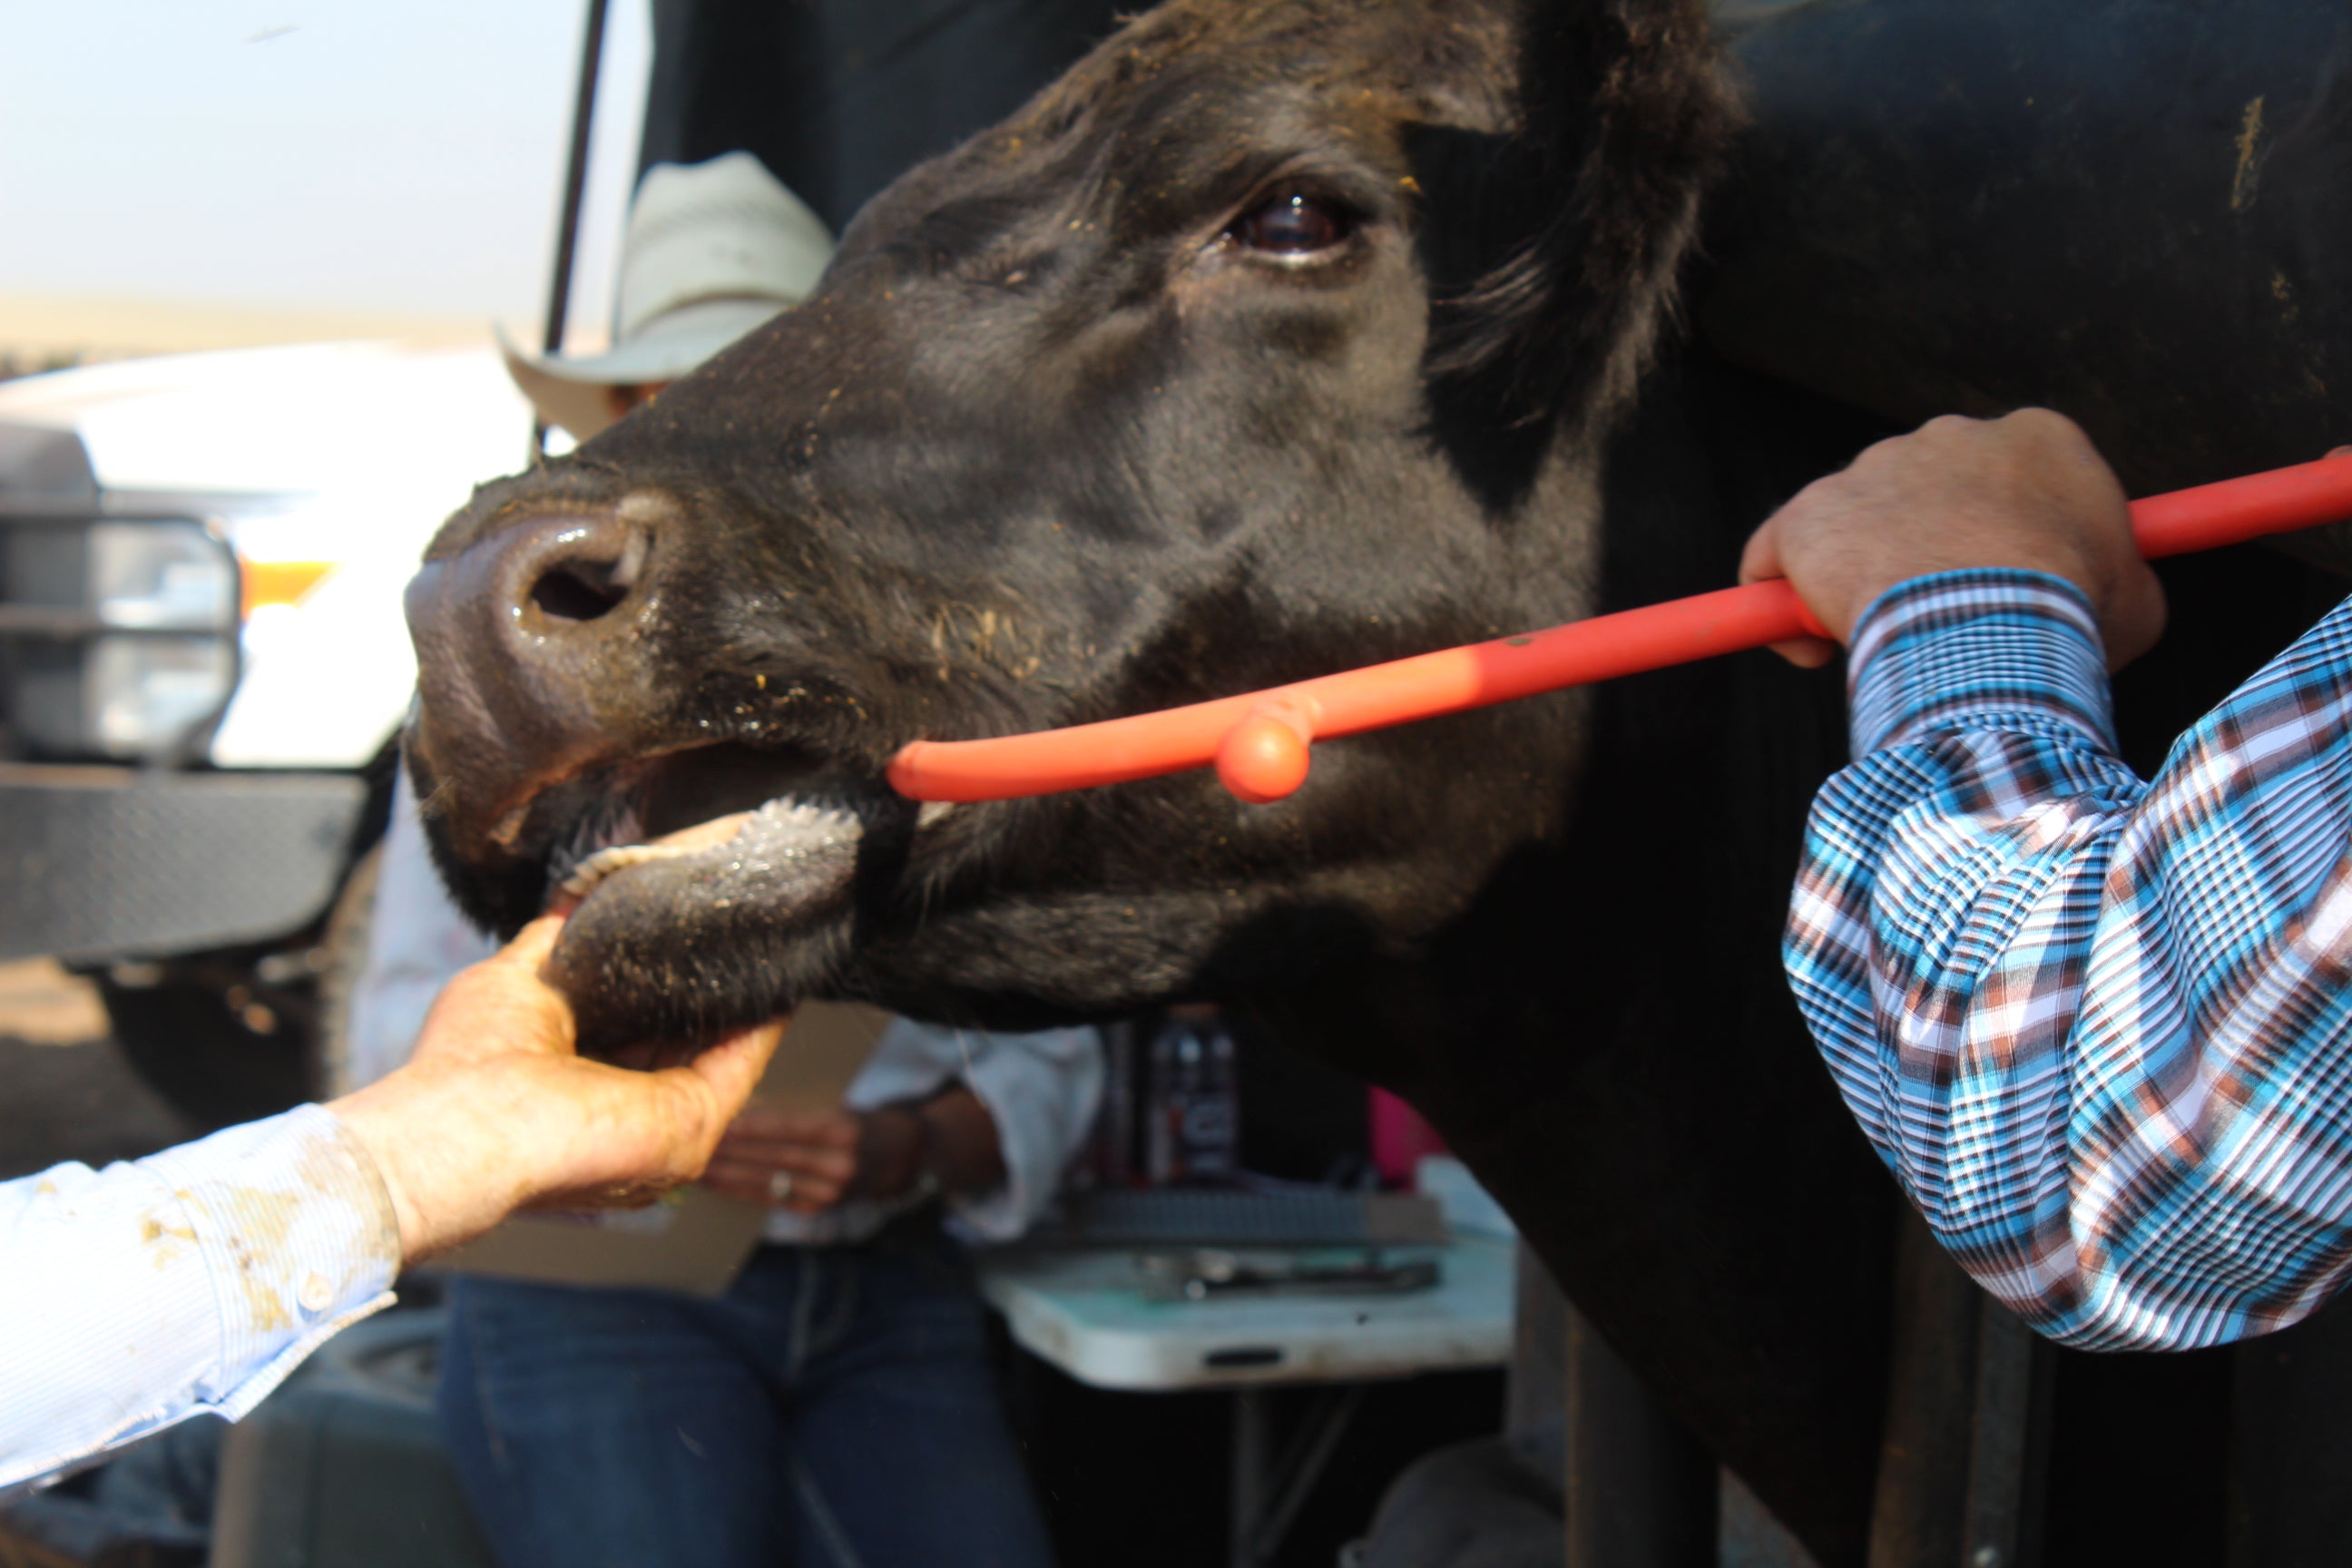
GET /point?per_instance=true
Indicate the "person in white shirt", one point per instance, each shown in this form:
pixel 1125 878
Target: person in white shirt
pixel 836 1405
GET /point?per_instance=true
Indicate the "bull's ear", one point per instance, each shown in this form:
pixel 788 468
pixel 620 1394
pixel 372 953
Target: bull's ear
pixel 1622 117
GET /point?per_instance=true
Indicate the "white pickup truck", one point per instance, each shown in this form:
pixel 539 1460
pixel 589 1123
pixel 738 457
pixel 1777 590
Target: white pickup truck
pixel 203 667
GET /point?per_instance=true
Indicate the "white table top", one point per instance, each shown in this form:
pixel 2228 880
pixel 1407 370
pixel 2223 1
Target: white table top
pixel 1086 1312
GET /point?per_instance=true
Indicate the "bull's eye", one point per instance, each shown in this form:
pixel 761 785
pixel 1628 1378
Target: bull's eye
pixel 1294 223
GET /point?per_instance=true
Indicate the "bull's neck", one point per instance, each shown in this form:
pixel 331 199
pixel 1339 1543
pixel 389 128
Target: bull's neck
pixel 1606 1036
pixel 1684 815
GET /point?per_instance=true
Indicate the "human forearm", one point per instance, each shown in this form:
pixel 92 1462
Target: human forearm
pixel 2094 1028
pixel 496 1111
pixel 1042 1091
pixel 967 1154
pixel 948 1137
pixel 2062 1005
pixel 443 1151
pixel 186 1283
pixel 810 1162
pixel 1013 1109
pixel 195 1281
pixel 460 1149
pixel 1903 939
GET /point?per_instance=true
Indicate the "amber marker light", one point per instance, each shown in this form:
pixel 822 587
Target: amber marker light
pixel 280 581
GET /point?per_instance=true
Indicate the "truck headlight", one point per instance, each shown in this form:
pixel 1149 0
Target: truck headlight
pixel 117 636
pixel 171 575
pixel 142 695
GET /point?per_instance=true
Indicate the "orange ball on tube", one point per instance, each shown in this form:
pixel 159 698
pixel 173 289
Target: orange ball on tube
pixel 1263 759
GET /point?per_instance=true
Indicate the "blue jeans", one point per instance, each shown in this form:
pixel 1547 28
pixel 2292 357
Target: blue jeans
pixel 834 1409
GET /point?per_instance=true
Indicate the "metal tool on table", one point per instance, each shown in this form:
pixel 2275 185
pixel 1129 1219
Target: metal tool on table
pixel 1208 1275
pixel 1260 740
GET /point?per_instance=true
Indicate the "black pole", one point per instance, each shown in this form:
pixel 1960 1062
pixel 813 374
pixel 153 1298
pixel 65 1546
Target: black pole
pixel 575 184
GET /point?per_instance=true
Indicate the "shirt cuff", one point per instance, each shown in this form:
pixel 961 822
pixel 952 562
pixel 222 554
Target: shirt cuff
pixel 1939 651
pixel 299 1238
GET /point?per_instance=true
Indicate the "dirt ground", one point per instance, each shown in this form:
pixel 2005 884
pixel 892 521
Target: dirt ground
pixel 65 1092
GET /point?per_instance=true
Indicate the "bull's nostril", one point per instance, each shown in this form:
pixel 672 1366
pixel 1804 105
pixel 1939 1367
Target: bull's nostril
pixel 556 571
pixel 579 589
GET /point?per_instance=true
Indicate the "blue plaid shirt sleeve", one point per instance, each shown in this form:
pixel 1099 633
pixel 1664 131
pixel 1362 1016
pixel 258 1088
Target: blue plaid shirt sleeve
pixel 2099 1030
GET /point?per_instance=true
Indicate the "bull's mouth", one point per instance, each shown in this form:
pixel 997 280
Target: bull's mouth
pixel 712 811
pixel 777 830
pixel 688 877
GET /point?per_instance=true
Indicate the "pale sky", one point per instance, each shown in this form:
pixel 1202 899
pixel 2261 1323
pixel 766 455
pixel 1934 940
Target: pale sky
pixel 366 156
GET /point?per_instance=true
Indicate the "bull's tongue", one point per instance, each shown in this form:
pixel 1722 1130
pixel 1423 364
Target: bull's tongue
pixel 672 915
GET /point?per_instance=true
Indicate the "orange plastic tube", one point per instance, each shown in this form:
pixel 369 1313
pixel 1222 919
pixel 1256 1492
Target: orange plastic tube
pixel 1260 740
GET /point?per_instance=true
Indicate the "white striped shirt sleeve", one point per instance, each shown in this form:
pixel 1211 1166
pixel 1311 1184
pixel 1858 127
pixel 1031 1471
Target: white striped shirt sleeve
pixel 186 1283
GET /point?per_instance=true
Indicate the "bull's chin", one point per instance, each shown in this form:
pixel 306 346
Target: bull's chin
pixel 711 929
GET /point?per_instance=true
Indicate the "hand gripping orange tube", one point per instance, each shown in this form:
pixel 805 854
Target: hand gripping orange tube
pixel 1259 741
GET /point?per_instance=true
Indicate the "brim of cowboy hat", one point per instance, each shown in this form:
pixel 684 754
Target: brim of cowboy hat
pixel 571 394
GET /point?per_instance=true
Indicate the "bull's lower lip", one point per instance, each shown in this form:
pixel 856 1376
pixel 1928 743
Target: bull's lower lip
pixel 710 926
pixel 664 943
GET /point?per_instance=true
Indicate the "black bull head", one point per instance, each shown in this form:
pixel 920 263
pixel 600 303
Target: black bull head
pixel 1285 335
pixel 1274 337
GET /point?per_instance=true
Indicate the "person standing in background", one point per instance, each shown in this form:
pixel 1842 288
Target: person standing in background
pixel 836 1405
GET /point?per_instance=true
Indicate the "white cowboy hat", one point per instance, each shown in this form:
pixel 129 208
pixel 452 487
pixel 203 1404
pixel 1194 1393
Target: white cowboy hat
pixel 712 250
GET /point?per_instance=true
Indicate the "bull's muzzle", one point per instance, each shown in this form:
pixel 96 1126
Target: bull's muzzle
pixel 531 662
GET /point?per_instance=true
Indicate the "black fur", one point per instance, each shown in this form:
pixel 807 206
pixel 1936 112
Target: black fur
pixel 1046 448
pixel 1623 121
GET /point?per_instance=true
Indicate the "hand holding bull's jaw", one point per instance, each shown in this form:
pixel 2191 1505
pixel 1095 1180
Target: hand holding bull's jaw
pixel 496 1111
